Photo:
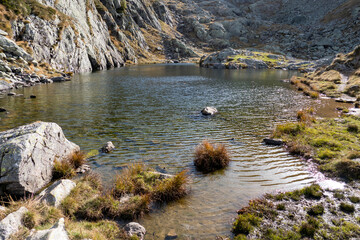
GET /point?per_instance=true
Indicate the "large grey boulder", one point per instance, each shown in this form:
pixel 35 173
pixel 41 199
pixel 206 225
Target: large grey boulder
pixel 27 155
pixel 11 223
pixel 12 48
pixel 57 192
pixel 136 229
pixel 57 232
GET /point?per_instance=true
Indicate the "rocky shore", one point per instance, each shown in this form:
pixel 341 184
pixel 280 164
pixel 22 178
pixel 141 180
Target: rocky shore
pixel 254 59
pixel 47 191
pixel 328 209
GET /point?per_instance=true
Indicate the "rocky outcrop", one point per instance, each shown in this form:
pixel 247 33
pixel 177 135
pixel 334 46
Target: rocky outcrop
pixel 56 232
pixel 340 79
pixel 57 192
pixel 27 154
pixel 11 223
pixel 254 59
pixel 136 229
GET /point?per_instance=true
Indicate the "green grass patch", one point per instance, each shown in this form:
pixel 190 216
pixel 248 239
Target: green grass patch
pixel 333 143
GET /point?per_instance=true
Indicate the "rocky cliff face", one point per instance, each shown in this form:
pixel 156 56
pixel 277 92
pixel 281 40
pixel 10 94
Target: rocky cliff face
pixel 86 35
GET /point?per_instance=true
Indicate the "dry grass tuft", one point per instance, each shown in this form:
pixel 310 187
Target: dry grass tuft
pixel 171 189
pixel 209 157
pixel 63 169
pixel 67 167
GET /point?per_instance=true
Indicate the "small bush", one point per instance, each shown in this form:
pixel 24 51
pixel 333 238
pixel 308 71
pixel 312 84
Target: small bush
pixel 290 128
pixel 326 154
pixel 316 210
pixel 347 208
pixel 245 223
pixel 347 169
pixel 339 196
pixel 354 199
pixel 209 158
pixel 280 207
pixel 353 128
pixel 307 230
pixel 313 191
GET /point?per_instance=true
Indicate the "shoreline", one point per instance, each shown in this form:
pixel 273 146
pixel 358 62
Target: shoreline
pixel 315 211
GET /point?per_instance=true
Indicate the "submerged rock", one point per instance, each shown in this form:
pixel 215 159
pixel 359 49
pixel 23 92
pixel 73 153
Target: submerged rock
pixel 134 228
pixel 11 223
pixel 57 192
pixel 27 156
pixel 274 142
pixel 57 232
pixel 209 111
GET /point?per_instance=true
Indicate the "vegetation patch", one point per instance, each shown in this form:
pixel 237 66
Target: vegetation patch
pixel 348 208
pixel 135 188
pixel 24 8
pixel 332 143
pixel 67 167
pixel 210 157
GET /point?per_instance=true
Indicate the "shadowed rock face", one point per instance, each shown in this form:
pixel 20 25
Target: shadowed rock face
pixel 27 155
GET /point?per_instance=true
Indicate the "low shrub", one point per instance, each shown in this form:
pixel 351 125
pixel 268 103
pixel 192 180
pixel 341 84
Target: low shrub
pixel 281 207
pixel 209 157
pixel 316 210
pixel 353 128
pixel 347 208
pixel 245 223
pixel 314 191
pixel 354 199
pixel 347 169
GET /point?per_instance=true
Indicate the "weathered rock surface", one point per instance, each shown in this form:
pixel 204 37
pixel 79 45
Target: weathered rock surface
pixel 11 223
pixel 27 154
pixel 108 147
pixel 56 232
pixel 57 192
pixel 136 229
pixel 209 111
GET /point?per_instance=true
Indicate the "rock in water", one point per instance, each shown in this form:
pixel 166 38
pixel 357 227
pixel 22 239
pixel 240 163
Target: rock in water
pixel 57 192
pixel 134 228
pixel 27 155
pixel 11 223
pixel 209 111
pixel 57 232
pixel 108 147
pixel 274 142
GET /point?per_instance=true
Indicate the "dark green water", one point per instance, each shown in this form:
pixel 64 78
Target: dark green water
pixel 152 115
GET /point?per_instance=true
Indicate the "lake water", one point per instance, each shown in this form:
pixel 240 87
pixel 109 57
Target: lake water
pixel 152 115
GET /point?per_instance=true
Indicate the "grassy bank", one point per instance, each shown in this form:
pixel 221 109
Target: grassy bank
pixel 311 212
pixel 92 212
pixel 308 213
pixel 332 143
